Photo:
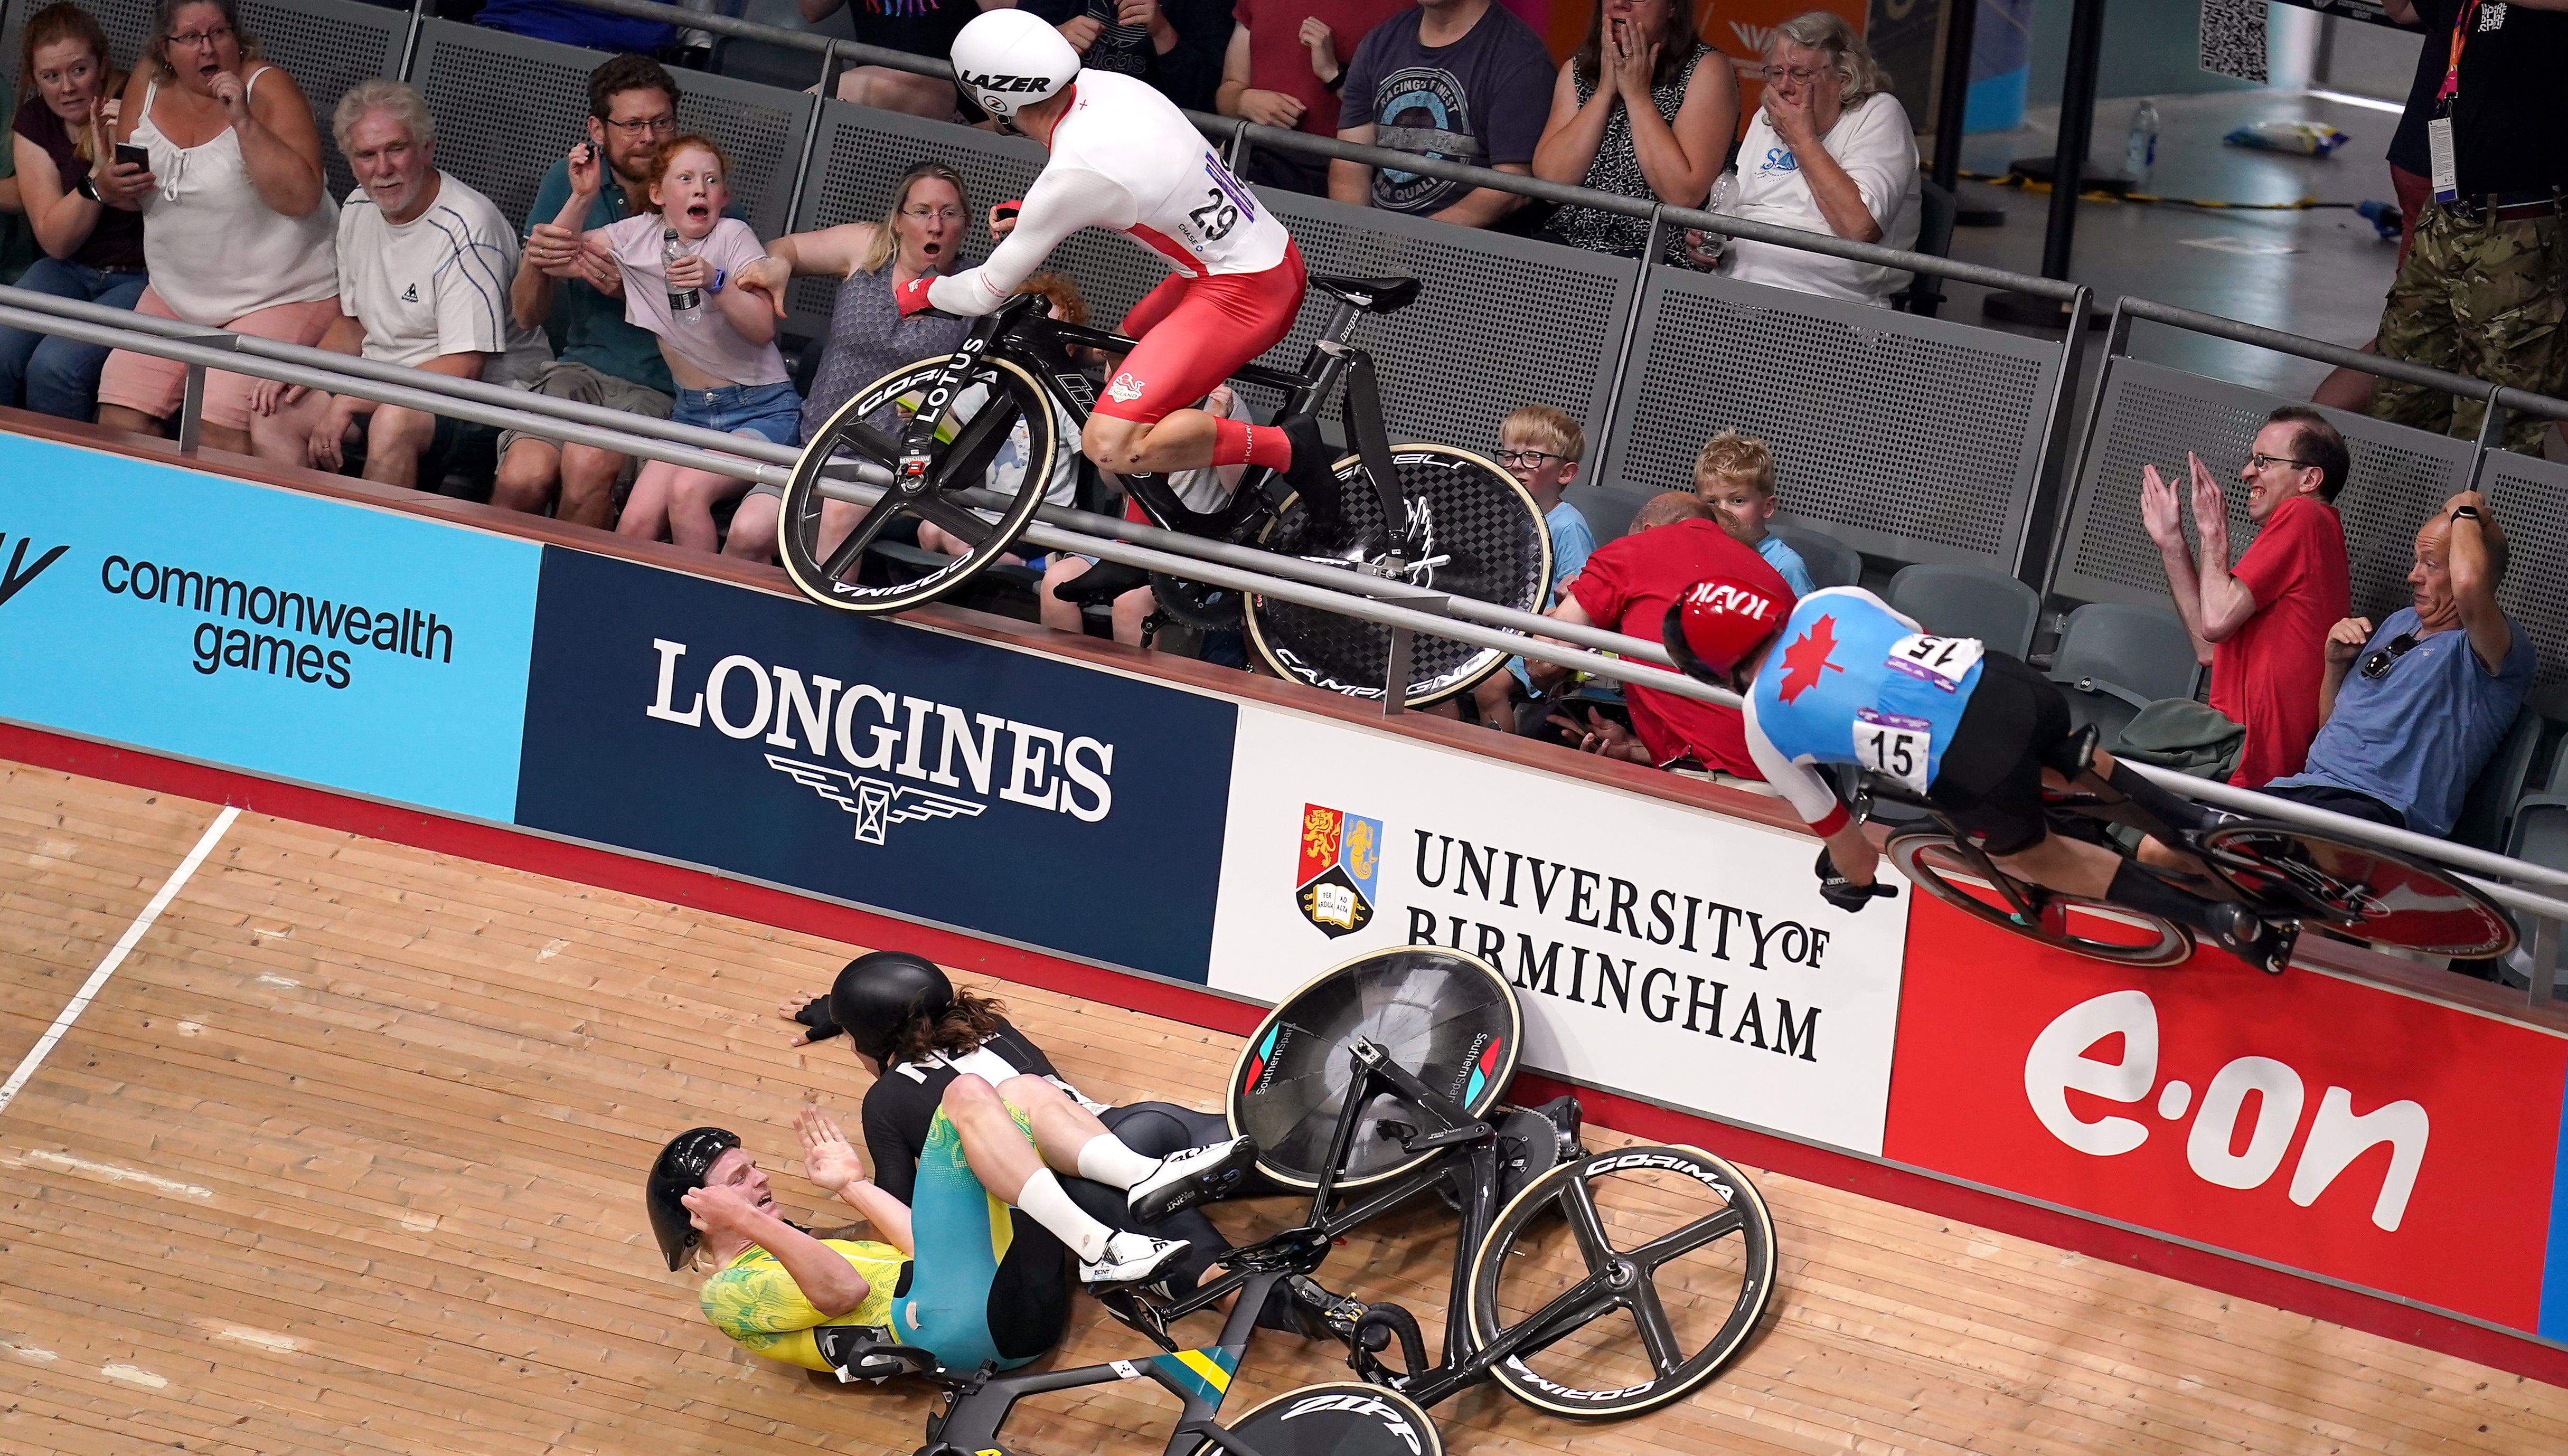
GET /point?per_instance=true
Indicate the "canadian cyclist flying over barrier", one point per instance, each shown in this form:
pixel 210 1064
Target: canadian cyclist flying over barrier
pixel 1125 157
pixel 1840 678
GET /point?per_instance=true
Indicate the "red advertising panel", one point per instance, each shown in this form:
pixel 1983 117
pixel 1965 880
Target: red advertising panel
pixel 2321 1123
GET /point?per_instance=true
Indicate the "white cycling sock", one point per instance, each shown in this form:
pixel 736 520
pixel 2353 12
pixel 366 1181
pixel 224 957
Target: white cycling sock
pixel 1049 1204
pixel 1106 1159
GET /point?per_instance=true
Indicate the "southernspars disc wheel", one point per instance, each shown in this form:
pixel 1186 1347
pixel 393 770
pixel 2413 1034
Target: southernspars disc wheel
pixel 1444 1016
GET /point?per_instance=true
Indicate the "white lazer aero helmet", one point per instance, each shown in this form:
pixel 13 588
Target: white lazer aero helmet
pixel 1009 58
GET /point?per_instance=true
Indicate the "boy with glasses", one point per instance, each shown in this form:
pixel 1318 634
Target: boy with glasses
pixel 2262 625
pixel 1540 445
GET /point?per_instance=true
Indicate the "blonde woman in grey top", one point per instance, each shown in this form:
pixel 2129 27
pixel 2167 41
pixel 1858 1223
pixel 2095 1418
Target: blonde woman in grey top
pixel 920 235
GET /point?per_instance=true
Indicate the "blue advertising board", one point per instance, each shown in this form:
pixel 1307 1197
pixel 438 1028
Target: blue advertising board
pixel 930 775
pixel 202 616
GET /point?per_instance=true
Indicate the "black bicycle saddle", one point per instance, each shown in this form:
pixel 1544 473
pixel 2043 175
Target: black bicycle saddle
pixel 1372 295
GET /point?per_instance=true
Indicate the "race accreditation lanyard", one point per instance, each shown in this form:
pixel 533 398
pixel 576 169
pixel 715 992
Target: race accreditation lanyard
pixel 2438 132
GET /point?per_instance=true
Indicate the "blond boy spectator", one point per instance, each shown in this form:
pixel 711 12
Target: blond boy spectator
pixel 1540 445
pixel 1734 474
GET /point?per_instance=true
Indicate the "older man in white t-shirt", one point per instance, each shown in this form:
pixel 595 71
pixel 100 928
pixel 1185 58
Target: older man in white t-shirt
pixel 1829 151
pixel 424 269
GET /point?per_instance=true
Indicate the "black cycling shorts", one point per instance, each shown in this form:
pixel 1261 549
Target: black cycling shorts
pixel 1990 780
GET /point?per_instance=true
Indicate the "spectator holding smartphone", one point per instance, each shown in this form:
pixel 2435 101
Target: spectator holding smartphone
pixel 81 208
pixel 237 224
pixel 718 341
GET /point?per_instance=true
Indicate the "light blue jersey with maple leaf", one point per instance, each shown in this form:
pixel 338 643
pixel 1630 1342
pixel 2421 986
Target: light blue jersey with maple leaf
pixel 1850 681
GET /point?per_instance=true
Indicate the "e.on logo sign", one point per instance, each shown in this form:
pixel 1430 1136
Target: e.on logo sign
pixel 2320 1122
pixel 2256 1096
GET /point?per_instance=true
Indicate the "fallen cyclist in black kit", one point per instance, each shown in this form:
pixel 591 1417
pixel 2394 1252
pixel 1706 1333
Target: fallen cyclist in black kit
pixel 1140 1169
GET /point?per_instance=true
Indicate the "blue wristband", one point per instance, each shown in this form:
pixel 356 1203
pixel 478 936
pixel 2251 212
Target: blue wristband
pixel 718 275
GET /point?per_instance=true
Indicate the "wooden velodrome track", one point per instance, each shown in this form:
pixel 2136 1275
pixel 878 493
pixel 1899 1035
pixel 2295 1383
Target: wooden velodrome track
pixel 347 1155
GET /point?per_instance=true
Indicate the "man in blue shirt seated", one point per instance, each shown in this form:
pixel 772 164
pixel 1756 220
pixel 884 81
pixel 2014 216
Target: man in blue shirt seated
pixel 2431 692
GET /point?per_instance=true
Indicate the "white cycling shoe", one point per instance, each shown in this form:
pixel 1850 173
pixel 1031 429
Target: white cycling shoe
pixel 1131 1259
pixel 1182 1180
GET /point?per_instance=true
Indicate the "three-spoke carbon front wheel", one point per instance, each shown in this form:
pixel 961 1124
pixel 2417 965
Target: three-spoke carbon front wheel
pixel 1000 436
pixel 1471 532
pixel 1622 1281
pixel 2097 929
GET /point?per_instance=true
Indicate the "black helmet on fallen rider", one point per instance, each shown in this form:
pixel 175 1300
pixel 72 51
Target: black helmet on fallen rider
pixel 679 1171
pixel 879 995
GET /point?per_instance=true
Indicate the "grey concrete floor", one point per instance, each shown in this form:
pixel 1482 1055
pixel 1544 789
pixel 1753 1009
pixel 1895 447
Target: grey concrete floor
pixel 2319 273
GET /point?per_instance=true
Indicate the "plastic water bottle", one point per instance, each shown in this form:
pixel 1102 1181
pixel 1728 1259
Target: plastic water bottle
pixel 2140 149
pixel 686 304
pixel 1724 197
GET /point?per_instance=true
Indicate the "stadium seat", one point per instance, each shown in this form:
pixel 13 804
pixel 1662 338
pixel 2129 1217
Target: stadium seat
pixel 2490 805
pixel 1936 209
pixel 1969 601
pixel 2540 835
pixel 2116 658
pixel 1832 563
pixel 1609 510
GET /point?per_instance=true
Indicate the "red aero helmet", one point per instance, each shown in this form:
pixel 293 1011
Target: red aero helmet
pixel 1716 623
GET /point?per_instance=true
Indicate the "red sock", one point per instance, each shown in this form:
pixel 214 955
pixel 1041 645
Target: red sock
pixel 1237 443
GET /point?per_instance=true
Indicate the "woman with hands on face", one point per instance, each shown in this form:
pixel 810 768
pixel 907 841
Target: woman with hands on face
pixel 237 227
pixel 1637 112
pixel 80 203
pixel 1829 151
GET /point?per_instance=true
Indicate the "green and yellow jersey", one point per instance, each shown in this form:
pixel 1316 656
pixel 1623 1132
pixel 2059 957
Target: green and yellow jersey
pixel 754 1301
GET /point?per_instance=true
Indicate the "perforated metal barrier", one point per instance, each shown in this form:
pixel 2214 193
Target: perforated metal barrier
pixel 508 107
pixel 327 48
pixel 2153 414
pixel 2530 499
pixel 1446 378
pixel 1909 437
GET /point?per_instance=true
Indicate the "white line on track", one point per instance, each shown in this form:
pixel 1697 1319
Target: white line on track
pixel 124 946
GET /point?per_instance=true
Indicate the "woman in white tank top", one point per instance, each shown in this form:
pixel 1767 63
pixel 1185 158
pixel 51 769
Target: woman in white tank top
pixel 237 224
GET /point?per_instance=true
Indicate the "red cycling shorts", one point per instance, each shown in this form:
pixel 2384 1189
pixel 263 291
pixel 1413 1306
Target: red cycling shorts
pixel 1195 332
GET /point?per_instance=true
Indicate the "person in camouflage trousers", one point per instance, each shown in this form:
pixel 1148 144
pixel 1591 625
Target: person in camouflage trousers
pixel 2483 298
pixel 2484 290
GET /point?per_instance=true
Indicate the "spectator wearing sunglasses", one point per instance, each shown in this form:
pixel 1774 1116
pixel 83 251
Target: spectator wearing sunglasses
pixel 2262 625
pixel 2411 711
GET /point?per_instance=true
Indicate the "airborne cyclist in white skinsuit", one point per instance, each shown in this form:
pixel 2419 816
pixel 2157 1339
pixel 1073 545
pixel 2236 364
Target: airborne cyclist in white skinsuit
pixel 1125 157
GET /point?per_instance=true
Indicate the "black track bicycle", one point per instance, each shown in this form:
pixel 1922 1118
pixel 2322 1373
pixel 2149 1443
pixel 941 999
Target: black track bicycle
pixel 1592 1284
pixel 966 440
pixel 2284 873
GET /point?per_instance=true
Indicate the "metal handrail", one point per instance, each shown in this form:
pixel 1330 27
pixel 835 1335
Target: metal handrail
pixel 2319 351
pixel 1231 127
pixel 1166 551
pixel 1056 528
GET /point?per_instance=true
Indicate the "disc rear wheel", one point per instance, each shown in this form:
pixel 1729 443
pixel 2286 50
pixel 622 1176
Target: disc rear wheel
pixel 1443 1017
pixel 1001 437
pixel 2097 929
pixel 2369 894
pixel 1471 532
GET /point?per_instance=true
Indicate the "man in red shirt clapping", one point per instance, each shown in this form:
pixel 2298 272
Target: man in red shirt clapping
pixel 2263 625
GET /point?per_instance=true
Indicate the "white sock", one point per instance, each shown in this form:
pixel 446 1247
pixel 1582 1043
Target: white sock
pixel 1106 1159
pixel 1049 1204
